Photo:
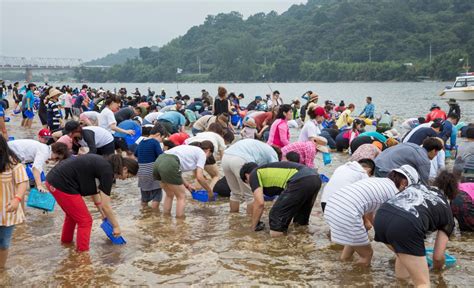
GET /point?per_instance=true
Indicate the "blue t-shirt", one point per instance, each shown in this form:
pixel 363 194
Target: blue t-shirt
pixel 127 125
pixel 176 118
pixel 148 150
pixel 253 151
pixel 2 111
pixel 29 95
pixel 376 135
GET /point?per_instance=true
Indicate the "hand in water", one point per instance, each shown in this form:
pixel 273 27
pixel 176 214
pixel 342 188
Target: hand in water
pixel 117 232
pixel 260 226
pixel 210 195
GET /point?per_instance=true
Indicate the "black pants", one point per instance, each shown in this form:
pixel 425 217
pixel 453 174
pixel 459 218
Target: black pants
pixel 295 203
pixel 68 112
pixel 107 150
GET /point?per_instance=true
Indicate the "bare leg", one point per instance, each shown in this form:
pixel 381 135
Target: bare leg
pixel 155 205
pixel 400 271
pixel 3 258
pixel 234 206
pixel 347 253
pixel 180 192
pixel 365 253
pixel 276 233
pixel 417 268
pixel 168 202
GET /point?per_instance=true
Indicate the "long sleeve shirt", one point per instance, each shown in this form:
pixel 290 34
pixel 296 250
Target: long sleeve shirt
pixel 279 133
pixel 369 110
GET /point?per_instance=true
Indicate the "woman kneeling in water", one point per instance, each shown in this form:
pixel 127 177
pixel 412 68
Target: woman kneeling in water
pixel 74 178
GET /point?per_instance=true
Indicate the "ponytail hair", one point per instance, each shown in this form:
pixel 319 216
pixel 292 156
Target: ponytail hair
pixel 204 145
pixel 118 163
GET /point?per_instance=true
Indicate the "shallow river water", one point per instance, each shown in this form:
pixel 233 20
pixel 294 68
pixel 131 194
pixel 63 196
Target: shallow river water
pixel 212 247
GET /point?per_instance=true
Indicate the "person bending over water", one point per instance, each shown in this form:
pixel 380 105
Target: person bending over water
pixel 296 185
pixel 169 166
pixel 74 178
pixel 349 211
pixel 403 222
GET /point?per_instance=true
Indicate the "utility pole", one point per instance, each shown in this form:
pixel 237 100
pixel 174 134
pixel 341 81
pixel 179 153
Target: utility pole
pixel 199 64
pixel 265 60
pixel 370 54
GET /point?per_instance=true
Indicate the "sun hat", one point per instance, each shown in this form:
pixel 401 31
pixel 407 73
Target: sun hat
pixel 313 97
pixel 321 144
pixel 250 122
pixel 410 173
pixel 392 133
pixel 451 101
pixel 54 92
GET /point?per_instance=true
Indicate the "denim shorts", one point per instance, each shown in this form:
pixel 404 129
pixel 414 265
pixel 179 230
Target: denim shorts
pixel 153 195
pixel 6 233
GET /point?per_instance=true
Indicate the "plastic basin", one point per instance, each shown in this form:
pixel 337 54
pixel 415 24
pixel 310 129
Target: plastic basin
pixel 40 200
pixel 109 231
pixel 201 196
pixel 449 262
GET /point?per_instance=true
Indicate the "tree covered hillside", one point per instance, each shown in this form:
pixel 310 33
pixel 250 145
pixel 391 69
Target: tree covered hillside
pixel 322 40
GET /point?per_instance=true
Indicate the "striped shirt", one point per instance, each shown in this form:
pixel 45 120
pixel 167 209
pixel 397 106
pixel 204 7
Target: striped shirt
pixel 345 208
pixel 8 180
pixel 54 115
pixel 306 150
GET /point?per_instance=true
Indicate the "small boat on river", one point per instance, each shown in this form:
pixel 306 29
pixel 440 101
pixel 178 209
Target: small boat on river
pixel 462 89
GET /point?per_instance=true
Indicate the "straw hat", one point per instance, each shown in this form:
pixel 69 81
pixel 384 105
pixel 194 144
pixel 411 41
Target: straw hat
pixel 313 97
pixel 321 144
pixel 54 92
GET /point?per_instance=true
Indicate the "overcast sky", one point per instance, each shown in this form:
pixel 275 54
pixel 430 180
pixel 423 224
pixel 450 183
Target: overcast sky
pixel 90 29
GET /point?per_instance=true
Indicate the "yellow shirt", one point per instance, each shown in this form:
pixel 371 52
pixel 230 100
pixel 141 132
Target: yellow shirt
pixel 8 181
pixel 344 119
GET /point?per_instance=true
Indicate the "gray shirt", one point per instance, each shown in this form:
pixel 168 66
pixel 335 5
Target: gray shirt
pixel 464 157
pixel 405 153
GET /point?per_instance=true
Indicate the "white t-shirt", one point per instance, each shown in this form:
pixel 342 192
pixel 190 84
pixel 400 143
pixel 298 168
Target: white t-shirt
pixel 102 137
pixel 152 116
pixel 344 175
pixel 190 157
pixel 31 151
pixel 106 119
pixel 216 139
pixel 310 129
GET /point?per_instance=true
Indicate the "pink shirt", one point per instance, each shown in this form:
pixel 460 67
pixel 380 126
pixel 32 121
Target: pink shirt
pixel 279 133
pixel 306 150
pixel 468 188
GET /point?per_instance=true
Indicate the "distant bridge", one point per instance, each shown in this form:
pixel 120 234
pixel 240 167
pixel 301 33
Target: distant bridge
pixel 41 63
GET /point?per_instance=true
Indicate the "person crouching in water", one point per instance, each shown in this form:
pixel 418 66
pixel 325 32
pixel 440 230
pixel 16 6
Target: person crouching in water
pixel 296 185
pixel 403 222
pixel 169 167
pixel 74 178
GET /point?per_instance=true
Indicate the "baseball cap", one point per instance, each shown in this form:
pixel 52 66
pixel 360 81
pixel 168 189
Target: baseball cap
pixel 258 97
pixel 410 173
pixel 319 111
pixel 45 133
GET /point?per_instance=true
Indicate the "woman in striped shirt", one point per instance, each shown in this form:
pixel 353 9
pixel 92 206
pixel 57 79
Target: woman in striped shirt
pixel 13 185
pixel 349 211
pixel 52 110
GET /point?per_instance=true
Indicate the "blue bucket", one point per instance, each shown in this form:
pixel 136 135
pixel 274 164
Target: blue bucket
pixel 40 200
pixel 29 172
pixel 11 138
pixel 29 114
pixel 7 119
pixel 109 231
pixel 449 260
pixel 327 158
pixel 131 139
pixel 324 178
pixel 201 196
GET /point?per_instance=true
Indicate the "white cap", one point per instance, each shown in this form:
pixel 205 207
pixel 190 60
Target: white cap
pixel 410 173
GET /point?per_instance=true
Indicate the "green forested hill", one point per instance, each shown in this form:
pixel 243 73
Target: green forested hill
pixel 322 40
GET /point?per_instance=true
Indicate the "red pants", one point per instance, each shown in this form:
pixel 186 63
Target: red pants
pixel 76 214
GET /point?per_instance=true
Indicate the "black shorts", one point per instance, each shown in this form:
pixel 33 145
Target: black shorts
pixel 400 230
pixel 120 144
pixel 222 188
pixel 294 203
pixel 107 150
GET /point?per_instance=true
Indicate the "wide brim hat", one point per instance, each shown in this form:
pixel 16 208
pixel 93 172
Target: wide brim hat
pixel 451 101
pixel 54 92
pixel 321 144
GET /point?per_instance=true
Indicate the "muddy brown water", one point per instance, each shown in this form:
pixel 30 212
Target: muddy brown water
pixel 210 247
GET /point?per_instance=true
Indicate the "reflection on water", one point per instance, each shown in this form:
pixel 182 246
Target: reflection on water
pixel 209 247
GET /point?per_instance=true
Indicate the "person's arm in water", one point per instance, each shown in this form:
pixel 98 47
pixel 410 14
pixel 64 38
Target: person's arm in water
pixel 198 173
pixel 439 249
pixel 102 202
pixel 368 220
pixel 258 205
